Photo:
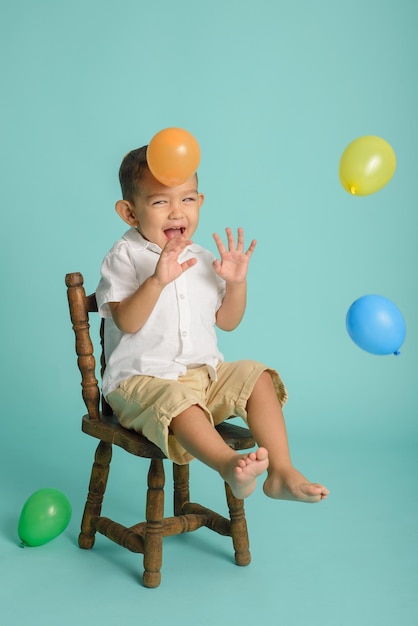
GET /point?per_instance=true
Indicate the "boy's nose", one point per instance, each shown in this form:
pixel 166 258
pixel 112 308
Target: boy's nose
pixel 176 210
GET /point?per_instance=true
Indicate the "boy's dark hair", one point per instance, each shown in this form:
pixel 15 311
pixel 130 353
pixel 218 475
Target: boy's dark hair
pixel 132 168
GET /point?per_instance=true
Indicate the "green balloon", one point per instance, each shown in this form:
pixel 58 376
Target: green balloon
pixel 45 515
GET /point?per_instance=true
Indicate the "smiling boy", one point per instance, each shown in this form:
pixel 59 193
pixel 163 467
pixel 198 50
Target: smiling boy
pixel 161 296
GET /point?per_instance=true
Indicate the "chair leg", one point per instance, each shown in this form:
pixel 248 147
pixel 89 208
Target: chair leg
pixel 153 540
pixel 239 532
pixel 97 487
pixel 181 487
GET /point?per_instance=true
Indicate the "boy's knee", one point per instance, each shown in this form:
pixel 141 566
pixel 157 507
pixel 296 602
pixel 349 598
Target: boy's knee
pixel 263 380
pixel 193 410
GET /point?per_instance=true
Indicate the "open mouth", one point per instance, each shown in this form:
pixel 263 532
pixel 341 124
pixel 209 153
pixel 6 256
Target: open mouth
pixel 170 233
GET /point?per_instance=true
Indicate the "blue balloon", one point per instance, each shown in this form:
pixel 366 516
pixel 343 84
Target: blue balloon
pixel 376 325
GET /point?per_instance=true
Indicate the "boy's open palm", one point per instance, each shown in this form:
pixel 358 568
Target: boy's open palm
pixel 233 265
pixel 168 267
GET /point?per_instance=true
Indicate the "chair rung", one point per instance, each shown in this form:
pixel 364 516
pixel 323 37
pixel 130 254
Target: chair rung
pixel 214 521
pixel 121 535
pixel 195 516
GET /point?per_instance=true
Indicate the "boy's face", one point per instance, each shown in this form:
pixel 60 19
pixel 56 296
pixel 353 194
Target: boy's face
pixel 161 213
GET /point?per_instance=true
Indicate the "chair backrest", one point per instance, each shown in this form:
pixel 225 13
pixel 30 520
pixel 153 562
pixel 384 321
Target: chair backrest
pixel 80 306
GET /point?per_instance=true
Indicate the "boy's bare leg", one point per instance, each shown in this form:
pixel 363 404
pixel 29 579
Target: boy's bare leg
pixel 266 421
pixel 199 438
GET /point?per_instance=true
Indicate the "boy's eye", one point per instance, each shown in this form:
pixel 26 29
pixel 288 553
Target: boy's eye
pixel 189 200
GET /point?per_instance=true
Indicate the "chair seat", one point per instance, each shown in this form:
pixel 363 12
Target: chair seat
pixel 108 429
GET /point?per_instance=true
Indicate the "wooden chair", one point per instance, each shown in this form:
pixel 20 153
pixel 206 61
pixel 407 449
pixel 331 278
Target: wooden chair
pixel 145 537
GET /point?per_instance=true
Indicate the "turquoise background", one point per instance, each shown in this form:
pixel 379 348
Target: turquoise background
pixel 273 91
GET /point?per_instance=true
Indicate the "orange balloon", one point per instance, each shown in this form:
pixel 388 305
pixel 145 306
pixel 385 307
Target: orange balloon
pixel 173 156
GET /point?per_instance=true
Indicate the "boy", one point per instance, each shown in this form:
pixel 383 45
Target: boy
pixel 162 295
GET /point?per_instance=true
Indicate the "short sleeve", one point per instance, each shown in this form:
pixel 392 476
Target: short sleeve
pixel 118 279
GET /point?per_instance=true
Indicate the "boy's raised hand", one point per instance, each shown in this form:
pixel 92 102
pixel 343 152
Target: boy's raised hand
pixel 168 267
pixel 233 265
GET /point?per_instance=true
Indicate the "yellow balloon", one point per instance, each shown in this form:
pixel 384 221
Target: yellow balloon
pixel 367 164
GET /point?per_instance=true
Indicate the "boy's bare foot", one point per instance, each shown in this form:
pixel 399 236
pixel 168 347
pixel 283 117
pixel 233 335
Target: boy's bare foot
pixel 242 471
pixel 292 485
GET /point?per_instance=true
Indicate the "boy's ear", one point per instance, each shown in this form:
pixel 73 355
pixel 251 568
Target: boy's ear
pixel 125 211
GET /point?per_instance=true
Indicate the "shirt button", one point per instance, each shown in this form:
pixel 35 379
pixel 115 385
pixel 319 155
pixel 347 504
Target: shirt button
pixel 182 296
pixel 184 333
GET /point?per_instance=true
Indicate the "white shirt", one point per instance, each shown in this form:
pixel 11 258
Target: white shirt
pixel 180 331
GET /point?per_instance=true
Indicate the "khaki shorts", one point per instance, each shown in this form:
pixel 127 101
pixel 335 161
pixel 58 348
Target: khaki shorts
pixel 147 404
